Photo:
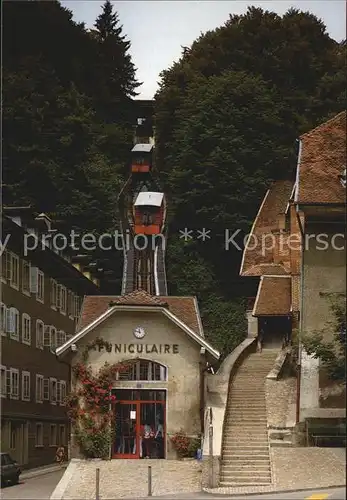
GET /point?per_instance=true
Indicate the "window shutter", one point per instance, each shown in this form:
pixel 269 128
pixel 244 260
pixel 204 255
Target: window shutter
pixel 46 389
pixel 11 320
pixel 62 391
pixel 58 296
pixel 53 344
pixel 8 382
pixel 3 318
pixel 58 392
pixel 8 261
pixel 61 338
pixel 47 336
pixel 34 280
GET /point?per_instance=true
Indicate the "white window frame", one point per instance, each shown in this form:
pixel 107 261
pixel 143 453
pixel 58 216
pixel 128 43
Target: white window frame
pixel 14 394
pixel 25 376
pixel 40 296
pixel 54 426
pixel 3 266
pixel 26 320
pixel 54 338
pixel 70 304
pixel 53 294
pixel 14 259
pixel 63 299
pixel 61 338
pixel 40 336
pixel 13 335
pixel 76 308
pixel 3 381
pixel 39 388
pixel 62 392
pixel 26 283
pixel 46 389
pixel 3 310
pixel 53 384
pixel 8 266
pixel 39 444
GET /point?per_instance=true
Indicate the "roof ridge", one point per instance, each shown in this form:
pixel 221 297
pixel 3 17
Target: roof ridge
pixel 138 295
pixel 322 124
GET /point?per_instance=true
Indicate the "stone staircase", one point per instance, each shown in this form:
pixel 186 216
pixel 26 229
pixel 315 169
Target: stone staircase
pixel 245 445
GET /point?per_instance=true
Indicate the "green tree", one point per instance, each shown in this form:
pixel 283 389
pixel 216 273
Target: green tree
pixel 329 344
pixel 228 114
pixel 61 154
pixel 52 158
pixel 116 73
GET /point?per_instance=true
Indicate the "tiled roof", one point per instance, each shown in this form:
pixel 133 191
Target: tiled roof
pixel 273 297
pixel 139 298
pixel 184 308
pixel 274 204
pixel 323 159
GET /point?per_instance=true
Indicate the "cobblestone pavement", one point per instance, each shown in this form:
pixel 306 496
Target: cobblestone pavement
pixel 279 395
pixel 129 478
pixel 39 487
pixel 299 468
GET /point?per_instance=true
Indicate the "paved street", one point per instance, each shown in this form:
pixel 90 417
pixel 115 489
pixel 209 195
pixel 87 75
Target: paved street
pixel 40 487
pixel 319 494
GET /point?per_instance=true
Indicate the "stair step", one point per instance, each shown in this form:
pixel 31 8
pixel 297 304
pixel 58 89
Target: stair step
pixel 242 472
pixel 229 484
pixel 238 417
pixel 245 437
pixel 247 404
pixel 238 444
pixel 255 447
pixel 280 443
pixel 246 424
pixel 241 462
pixel 244 456
pixel 257 480
pixel 247 467
pixel 231 439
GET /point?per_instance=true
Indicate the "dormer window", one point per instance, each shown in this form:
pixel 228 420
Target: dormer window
pixel 343 178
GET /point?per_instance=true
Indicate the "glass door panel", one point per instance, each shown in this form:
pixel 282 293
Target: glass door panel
pixel 152 430
pixel 126 444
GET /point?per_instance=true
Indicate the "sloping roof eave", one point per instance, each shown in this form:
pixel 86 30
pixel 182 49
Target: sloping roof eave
pixel 88 328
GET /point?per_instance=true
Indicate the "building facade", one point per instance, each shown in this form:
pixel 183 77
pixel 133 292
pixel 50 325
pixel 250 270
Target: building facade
pixel 166 386
pixel 297 248
pixel 320 198
pixel 41 296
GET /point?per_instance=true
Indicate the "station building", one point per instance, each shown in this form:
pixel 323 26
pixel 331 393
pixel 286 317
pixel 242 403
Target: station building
pixel 165 388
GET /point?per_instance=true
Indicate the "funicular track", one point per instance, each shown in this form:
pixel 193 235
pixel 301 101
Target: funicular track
pixel 143 269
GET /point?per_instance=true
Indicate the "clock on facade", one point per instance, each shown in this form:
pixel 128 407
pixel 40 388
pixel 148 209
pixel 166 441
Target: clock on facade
pixel 139 332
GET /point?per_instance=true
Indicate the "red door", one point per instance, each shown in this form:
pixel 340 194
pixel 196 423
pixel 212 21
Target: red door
pixel 130 419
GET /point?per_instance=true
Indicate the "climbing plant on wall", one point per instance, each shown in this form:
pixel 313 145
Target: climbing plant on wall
pixel 90 404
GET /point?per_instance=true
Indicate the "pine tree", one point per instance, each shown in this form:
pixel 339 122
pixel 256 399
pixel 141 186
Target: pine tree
pixel 115 69
pixel 106 23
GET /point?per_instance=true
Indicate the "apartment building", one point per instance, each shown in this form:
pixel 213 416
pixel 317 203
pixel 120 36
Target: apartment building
pixel 41 297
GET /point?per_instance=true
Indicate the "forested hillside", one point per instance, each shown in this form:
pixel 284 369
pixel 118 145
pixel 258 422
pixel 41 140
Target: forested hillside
pixel 228 114
pixel 67 117
pixel 227 117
